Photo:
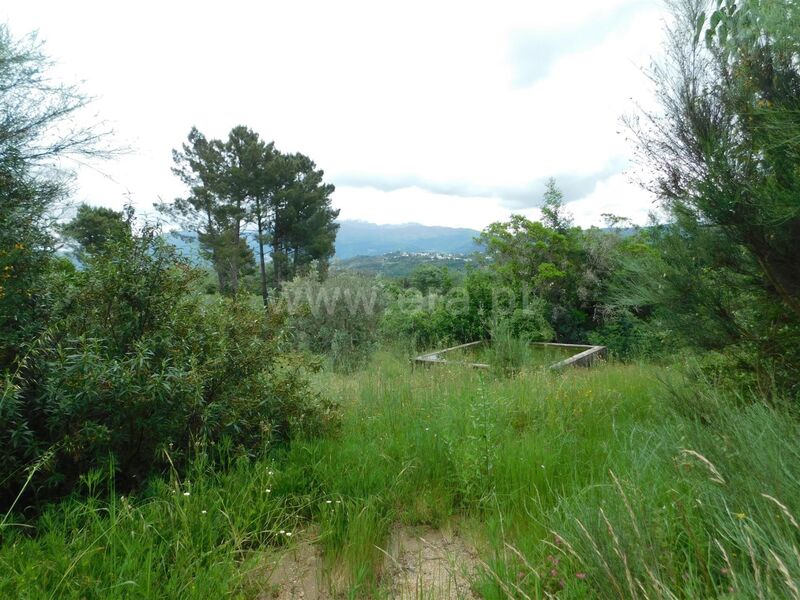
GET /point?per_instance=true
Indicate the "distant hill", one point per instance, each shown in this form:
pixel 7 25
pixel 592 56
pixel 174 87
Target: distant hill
pixel 186 244
pixel 401 264
pixel 359 238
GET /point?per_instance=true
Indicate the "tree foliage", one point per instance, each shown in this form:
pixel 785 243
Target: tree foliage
pixel 37 132
pixel 304 227
pixel 35 108
pixel 245 181
pixel 219 178
pixel 725 145
pixel 94 227
pixel 554 261
pixel 724 148
pixel 337 317
pixel 122 365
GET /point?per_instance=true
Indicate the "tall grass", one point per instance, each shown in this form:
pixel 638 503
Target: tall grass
pixel 586 483
pixel 507 352
pixel 180 539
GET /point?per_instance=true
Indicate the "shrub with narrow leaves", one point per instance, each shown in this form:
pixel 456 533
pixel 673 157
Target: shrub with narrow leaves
pixel 337 318
pixel 136 371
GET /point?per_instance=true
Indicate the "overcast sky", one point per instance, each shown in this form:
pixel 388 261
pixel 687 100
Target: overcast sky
pixel 445 113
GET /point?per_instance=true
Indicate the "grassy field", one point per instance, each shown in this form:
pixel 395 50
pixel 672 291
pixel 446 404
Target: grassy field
pixel 619 481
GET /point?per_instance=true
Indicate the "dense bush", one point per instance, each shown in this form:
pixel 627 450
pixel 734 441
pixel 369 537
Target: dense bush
pixel 135 370
pixel 415 320
pixel 338 317
pixel 463 313
pixel 431 279
pixel 423 318
pixel 629 337
pixel 25 249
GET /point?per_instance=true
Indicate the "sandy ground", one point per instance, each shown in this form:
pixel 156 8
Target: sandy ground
pixel 429 563
pixel 421 563
pixel 296 573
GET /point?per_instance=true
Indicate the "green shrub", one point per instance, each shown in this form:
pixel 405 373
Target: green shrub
pixel 25 251
pixel 530 323
pixel 417 320
pixel 462 314
pixel 136 371
pixel 465 313
pixel 431 278
pixel 631 338
pixel 338 317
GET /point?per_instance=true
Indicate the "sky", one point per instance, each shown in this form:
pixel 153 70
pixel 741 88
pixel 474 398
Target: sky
pixel 433 112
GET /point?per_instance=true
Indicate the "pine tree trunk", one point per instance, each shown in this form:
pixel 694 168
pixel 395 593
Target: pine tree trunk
pixel 276 260
pixel 261 260
pixel 235 257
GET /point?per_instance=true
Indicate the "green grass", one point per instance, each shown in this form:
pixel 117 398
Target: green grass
pixel 190 538
pixel 587 483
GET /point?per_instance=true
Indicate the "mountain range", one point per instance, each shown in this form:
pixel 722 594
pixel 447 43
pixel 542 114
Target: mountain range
pixel 359 238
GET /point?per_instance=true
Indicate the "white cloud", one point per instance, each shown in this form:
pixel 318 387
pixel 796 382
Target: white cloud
pixel 615 195
pixel 428 91
pixel 416 205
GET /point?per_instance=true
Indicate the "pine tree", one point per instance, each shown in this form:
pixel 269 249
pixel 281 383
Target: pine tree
pixel 246 181
pixel 554 214
pixel 218 175
pixel 305 227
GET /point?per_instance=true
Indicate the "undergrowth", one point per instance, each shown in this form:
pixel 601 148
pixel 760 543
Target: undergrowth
pixel 587 483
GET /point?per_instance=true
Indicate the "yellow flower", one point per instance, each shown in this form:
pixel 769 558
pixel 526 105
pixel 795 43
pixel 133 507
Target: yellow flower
pixel 741 516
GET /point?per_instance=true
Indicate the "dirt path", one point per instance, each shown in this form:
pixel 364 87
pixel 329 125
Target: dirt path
pixel 296 573
pixel 429 563
pixel 421 563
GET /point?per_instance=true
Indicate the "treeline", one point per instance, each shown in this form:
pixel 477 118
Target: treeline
pixel 534 280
